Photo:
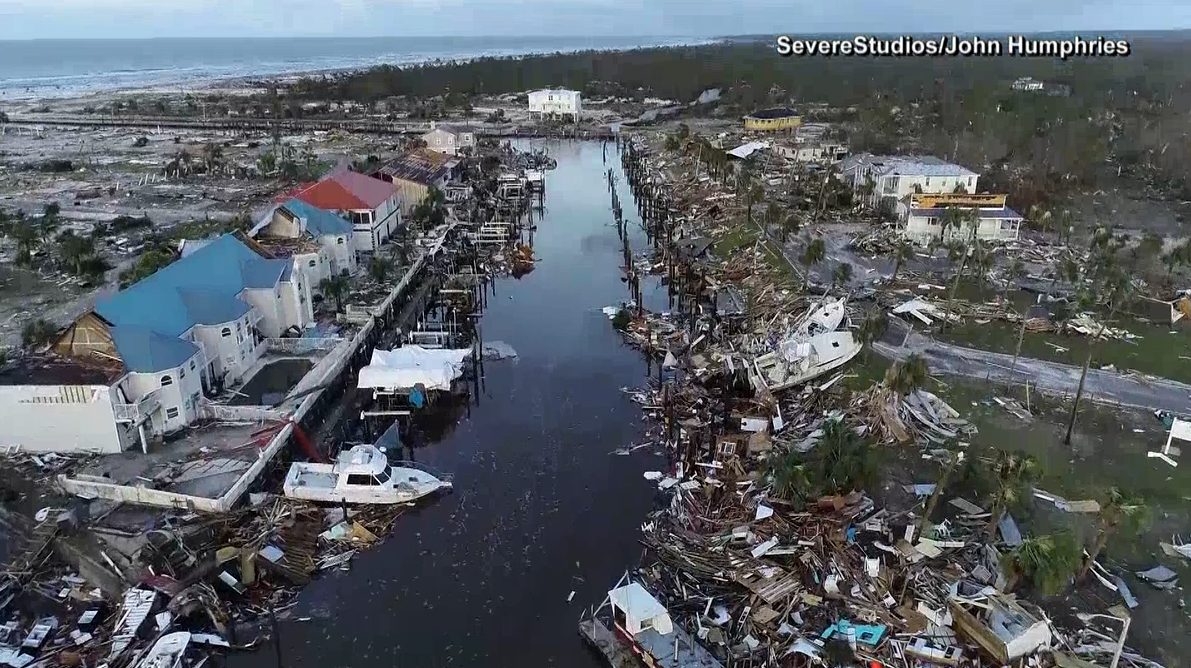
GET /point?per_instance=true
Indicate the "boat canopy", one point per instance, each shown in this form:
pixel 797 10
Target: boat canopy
pixel 407 366
pixel 641 610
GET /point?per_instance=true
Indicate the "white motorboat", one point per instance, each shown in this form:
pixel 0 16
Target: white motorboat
pixel 821 318
pixel 167 652
pixel 796 362
pixel 363 474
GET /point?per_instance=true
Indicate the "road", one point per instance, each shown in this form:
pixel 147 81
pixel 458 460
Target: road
pixel 1052 377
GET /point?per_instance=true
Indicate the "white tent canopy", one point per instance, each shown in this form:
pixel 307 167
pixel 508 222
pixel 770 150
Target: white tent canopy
pixel 407 366
pixel 641 610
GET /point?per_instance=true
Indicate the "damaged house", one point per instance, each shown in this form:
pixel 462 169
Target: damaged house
pixel 371 204
pixel 136 366
pixel 415 172
pixel 321 243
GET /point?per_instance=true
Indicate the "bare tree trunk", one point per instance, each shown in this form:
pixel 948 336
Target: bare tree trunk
pixel 933 501
pixel 1083 376
pixel 1021 336
pixel 954 286
pixel 1097 548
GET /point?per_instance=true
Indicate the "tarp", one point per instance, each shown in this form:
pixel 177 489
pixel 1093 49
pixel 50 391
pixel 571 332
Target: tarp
pixel 407 366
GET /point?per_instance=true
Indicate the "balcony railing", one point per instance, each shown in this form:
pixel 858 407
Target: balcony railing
pixel 137 412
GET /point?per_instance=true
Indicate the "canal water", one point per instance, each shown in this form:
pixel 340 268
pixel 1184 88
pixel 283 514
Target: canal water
pixel 541 507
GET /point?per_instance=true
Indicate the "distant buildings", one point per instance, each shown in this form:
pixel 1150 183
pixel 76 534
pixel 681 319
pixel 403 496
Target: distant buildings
pixel 1031 85
pixel 449 139
pixel 138 364
pixel 550 102
pixel 772 119
pixel 372 205
pixel 893 178
pixel 415 172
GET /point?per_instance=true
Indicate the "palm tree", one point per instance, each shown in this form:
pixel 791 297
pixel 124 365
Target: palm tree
pixel 842 460
pixel 49 222
pixel 789 227
pixel 842 274
pixel 755 194
pixel 336 287
pixel 1118 512
pixel 901 252
pixel 871 328
pixel 1040 216
pixel 27 241
pixel 379 267
pixel 773 216
pixel 951 458
pixel 74 250
pixel 814 253
pixel 1046 561
pixel 908 375
pixel 1118 287
pixel 213 157
pixel 1013 472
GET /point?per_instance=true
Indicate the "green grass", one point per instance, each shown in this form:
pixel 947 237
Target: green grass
pixel 1161 350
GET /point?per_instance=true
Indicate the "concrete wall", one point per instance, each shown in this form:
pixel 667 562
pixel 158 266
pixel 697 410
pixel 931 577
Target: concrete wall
pixel 229 347
pixel 281 225
pixel 179 391
pixel 267 302
pixel 59 418
pixel 340 251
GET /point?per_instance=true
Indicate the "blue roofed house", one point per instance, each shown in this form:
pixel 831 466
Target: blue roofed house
pixel 199 323
pixel 895 177
pixel 320 242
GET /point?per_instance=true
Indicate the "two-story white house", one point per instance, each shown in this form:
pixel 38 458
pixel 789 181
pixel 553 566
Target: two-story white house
pixel 986 217
pixel 321 243
pixel 138 364
pixel 894 178
pixel 373 206
pixel 551 102
pixel 449 139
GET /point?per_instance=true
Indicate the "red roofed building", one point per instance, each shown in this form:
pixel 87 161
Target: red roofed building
pixel 372 205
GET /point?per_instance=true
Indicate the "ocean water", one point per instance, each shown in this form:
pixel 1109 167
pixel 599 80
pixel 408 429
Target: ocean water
pixel 59 68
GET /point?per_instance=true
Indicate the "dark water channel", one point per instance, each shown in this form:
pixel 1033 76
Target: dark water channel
pixel 540 508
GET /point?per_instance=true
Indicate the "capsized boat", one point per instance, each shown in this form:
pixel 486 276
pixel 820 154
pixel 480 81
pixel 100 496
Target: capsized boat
pixel 798 361
pixel 823 317
pixel 363 474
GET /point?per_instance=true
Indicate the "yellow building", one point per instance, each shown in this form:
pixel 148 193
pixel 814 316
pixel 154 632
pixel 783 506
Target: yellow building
pixel 772 119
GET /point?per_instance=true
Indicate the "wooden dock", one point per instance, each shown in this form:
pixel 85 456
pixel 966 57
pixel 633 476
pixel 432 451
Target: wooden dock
pixel 601 638
pixel 290 125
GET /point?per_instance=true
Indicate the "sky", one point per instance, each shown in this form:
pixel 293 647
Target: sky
pixel 75 19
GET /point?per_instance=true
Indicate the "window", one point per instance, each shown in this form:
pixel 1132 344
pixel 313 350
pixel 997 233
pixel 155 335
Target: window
pixel 182 372
pixel 361 479
pixel 239 337
pixel 384 475
pixel 239 328
pixel 192 365
pixel 891 183
pixel 166 380
pixel 339 241
pixel 927 184
pixel 227 331
pixel 171 413
pixel 312 263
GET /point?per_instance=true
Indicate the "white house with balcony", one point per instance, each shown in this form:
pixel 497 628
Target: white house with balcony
pixel 371 205
pixel 893 178
pixel 552 102
pixel 320 242
pixel 138 364
pixel 986 217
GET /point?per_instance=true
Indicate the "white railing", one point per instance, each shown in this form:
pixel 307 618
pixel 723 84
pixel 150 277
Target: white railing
pixel 139 411
pixel 300 345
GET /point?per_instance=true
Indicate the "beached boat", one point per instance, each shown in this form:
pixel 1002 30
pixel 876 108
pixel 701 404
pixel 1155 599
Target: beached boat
pixel 824 317
pixel 167 652
pixel 363 474
pixel 631 627
pixel 798 361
